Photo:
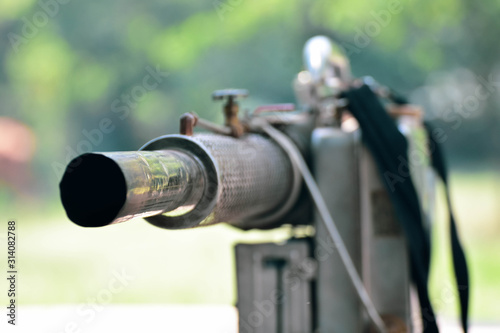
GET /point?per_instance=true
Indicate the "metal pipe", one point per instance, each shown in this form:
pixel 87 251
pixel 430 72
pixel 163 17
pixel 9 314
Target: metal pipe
pixel 179 182
pixel 99 189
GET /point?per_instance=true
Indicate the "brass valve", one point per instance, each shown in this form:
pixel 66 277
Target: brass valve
pixel 231 108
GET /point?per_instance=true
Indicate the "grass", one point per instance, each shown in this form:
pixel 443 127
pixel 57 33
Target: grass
pixel 475 200
pixel 62 263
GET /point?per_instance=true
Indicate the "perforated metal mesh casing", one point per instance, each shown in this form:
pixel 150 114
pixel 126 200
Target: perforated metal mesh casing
pixel 248 177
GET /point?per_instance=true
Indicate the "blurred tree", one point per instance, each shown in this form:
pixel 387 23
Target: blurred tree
pixel 67 65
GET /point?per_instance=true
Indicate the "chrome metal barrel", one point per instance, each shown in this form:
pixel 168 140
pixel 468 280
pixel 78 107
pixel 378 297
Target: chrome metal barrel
pixel 179 181
pixel 105 188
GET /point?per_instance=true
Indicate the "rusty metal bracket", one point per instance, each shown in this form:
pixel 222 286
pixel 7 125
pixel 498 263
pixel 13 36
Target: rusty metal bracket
pixel 188 122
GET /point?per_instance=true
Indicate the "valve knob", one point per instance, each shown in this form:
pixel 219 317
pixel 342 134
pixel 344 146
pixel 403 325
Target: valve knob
pixel 229 93
pixel 231 108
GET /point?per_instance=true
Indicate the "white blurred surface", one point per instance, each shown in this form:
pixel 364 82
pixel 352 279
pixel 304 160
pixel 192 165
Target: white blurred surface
pixel 152 318
pixel 125 318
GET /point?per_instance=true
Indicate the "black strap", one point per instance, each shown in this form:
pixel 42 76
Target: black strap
pixel 459 261
pixel 389 149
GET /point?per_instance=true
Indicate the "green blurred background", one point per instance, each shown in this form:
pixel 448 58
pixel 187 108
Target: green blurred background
pixel 65 66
